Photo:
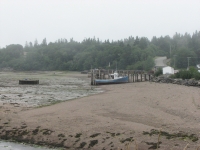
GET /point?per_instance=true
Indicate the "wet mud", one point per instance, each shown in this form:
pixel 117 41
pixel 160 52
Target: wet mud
pixel 53 87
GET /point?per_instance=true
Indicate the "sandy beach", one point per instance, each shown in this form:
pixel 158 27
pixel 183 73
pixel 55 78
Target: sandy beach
pixel 135 116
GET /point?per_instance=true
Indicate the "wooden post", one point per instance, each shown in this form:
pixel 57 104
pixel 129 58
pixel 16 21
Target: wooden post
pixel 99 74
pixel 92 77
pixel 134 77
pixel 137 77
pixel 131 77
pixel 128 77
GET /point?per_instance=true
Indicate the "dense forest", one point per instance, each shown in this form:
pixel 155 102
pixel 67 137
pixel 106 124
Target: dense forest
pixel 133 53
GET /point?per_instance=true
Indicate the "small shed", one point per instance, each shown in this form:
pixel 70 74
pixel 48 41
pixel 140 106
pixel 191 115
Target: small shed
pixel 168 70
pixel 198 67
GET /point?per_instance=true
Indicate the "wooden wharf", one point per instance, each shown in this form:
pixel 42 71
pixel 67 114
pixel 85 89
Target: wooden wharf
pixel 133 75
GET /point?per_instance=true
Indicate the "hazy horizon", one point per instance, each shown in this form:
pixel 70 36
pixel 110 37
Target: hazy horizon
pixel 24 20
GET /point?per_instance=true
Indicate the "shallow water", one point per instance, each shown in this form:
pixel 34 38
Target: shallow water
pixel 14 146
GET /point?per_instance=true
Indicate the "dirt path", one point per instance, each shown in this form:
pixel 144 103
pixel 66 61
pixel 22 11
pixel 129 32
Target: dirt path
pixel 160 61
pixel 124 114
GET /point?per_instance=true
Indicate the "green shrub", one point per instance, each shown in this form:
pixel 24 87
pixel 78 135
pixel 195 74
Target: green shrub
pixel 188 74
pixel 159 72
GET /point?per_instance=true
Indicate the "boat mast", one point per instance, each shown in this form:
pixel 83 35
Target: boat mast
pixel 116 66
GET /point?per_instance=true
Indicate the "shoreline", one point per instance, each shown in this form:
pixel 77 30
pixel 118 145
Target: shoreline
pixel 134 113
pixel 12 102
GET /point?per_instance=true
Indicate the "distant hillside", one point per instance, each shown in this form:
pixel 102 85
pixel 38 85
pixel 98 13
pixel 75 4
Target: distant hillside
pixel 132 53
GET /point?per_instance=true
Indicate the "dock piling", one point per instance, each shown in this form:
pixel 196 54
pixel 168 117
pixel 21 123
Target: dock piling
pixel 133 75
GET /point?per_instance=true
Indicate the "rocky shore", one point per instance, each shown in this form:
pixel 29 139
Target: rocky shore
pixel 186 82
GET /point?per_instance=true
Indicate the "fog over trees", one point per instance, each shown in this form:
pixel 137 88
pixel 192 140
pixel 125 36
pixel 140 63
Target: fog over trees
pixel 132 53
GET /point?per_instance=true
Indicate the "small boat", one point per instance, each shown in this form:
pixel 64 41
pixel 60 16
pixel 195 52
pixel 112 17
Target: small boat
pixel 114 79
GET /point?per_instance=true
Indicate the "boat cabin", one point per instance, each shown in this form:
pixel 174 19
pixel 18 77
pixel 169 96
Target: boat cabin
pixel 115 75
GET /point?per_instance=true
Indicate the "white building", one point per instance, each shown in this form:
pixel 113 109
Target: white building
pixel 198 67
pixel 168 70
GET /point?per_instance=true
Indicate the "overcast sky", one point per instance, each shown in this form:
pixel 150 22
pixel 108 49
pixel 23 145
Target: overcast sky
pixel 27 20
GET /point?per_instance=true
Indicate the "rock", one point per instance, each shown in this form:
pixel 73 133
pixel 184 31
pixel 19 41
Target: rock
pixel 166 79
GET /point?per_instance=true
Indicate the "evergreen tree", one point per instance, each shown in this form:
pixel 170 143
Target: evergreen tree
pixel 44 42
pixel 36 43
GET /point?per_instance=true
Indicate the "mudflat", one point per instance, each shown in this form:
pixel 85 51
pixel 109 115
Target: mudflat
pixel 142 115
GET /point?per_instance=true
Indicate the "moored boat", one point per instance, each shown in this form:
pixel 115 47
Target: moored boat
pixel 114 79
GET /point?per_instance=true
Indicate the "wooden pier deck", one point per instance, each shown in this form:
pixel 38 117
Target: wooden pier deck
pixel 133 75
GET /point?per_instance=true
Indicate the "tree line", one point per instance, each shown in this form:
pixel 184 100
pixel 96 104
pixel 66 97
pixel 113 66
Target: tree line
pixel 132 53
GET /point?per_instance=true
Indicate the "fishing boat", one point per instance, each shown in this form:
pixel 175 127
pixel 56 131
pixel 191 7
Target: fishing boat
pixel 114 78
